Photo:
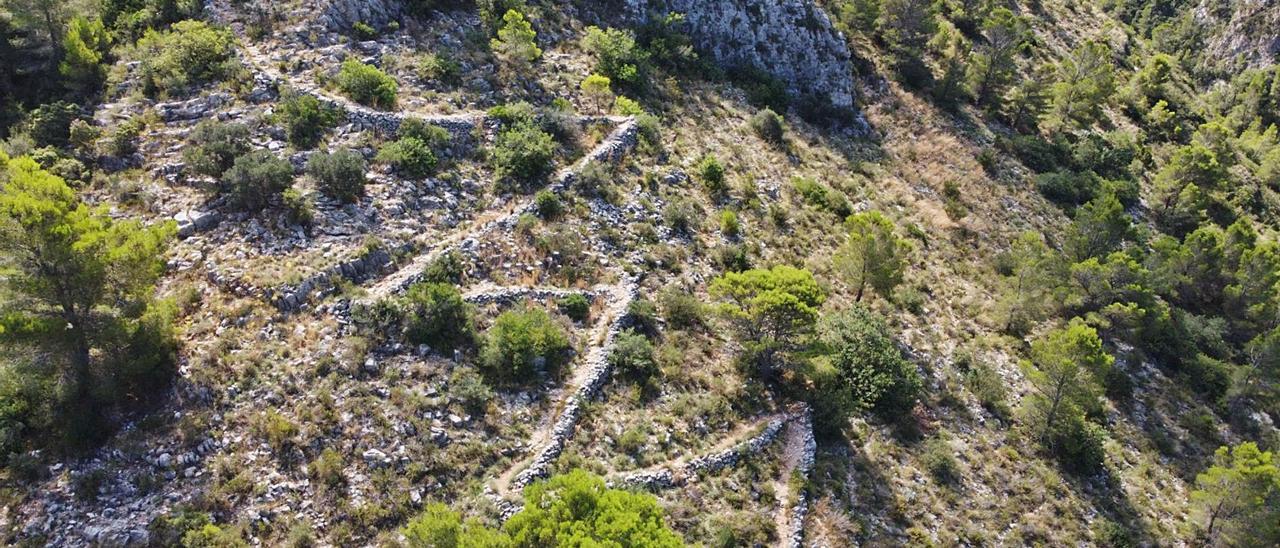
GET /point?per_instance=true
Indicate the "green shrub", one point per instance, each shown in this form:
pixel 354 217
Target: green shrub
pixel 632 357
pixel 1068 189
pixel 434 136
pixel 82 136
pixel 679 215
pixel 763 90
pixel 711 174
pixel 818 195
pixel 729 225
pixel 987 385
pixel 768 125
pixel 548 204
pixel 1038 154
pixel 364 31
pixel 868 362
pixel 367 85
pixel 522 342
pixel 278 431
pixel 50 124
pixel 297 207
pixel 439 67
pixel 617 55
pixel 410 156
pixel 190 53
pixel 733 257
pixel 513 114
pixel 123 141
pixel 213 147
pixel 436 315
pixel 680 309
pixel 339 175
pixel 327 469
pixel 643 316
pixel 1078 443
pixel 940 463
pixel 466 384
pixel 522 153
pixel 168 529
pixel 255 179
pixel 306 120
pixel 576 306
pixel 445 269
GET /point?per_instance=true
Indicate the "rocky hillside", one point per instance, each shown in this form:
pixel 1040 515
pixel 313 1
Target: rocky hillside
pixel 639 272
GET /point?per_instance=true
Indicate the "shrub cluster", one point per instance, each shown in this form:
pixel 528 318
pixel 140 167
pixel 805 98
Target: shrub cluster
pixel 255 179
pixel 367 85
pixel 190 53
pixel 339 175
pixel 522 343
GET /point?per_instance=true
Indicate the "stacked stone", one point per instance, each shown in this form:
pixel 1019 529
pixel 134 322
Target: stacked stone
pixel 598 370
pixel 290 298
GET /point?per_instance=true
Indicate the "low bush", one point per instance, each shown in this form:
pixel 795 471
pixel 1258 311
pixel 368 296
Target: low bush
pixel 1068 189
pixel 466 384
pixel 367 85
pixel 576 306
pixel 768 125
pixel 436 315
pixel 643 316
pixel 327 469
pixel 190 53
pixel 679 215
pixel 711 174
pixel 729 225
pixel 255 179
pixel 306 120
pixel 548 204
pixel 411 157
pixel 445 269
pixel 522 343
pixel 297 207
pixel 50 124
pixel 339 175
pixel 213 147
pixel 522 153
pixel 434 136
pixel 680 309
pixel 632 357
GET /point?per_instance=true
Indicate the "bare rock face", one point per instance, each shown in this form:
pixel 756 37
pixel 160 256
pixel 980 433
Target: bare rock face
pixel 341 15
pixel 791 39
pixel 1242 31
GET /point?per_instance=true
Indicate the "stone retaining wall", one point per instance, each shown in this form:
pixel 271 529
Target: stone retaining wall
pixel 598 369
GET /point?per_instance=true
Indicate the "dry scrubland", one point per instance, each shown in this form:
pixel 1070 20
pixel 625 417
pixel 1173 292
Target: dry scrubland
pixel 340 362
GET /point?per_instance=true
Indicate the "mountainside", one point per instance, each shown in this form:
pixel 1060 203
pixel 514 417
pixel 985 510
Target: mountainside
pixel 639 273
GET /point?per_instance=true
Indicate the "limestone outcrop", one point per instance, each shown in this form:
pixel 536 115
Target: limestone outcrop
pixel 793 40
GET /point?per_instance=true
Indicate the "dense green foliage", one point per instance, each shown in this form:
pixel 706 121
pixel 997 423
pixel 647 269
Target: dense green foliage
pixel 522 343
pixel 339 175
pixel 436 315
pixel 255 179
pixel 516 42
pixel 306 120
pixel 867 364
pixel 367 85
pixel 85 336
pixel 190 54
pixel 213 147
pixel 1239 497
pixel 522 153
pixel 573 509
pixel 410 156
pixel 873 255
pixel 773 310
